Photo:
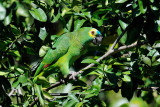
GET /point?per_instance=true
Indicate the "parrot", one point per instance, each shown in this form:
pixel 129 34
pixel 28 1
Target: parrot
pixel 67 48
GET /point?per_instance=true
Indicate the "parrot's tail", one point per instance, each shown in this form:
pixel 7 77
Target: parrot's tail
pixel 41 66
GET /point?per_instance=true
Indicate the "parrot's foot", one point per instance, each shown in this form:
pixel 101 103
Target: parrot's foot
pixel 73 75
pixel 70 76
pixel 64 80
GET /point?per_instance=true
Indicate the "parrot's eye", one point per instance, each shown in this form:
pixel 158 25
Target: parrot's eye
pixel 93 32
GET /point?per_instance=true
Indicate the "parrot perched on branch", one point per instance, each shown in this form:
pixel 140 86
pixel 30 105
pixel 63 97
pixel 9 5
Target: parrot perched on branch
pixel 67 48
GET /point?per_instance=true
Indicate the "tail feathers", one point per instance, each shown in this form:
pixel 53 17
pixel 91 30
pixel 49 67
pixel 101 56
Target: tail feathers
pixel 41 66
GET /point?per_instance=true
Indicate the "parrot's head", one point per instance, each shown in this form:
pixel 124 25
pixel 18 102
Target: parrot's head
pixel 96 36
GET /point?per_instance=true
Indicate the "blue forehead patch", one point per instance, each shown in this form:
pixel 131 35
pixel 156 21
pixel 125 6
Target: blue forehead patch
pixel 98 32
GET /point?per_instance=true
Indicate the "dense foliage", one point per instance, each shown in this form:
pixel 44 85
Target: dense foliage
pixel 29 27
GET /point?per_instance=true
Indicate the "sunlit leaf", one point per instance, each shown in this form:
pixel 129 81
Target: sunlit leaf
pixel 22 79
pixel 142 8
pixel 38 14
pixel 124 37
pixel 90 61
pixel 8 19
pixel 42 33
pixel 55 18
pixel 4 72
pixel 47 95
pixel 73 97
pixel 79 104
pixel 21 11
pixel 120 1
pixel 42 81
pixel 123 24
pixel 147 61
pixel 39 94
pixel 158 23
pixel 70 103
pixel 69 24
pixel 2 12
pixel 78 24
pixel 43 50
pixel 126 78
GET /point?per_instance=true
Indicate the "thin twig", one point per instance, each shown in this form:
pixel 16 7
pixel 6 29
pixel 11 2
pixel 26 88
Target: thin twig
pixel 34 102
pixel 119 37
pixel 10 46
pixel 148 88
pixel 11 93
pixel 55 85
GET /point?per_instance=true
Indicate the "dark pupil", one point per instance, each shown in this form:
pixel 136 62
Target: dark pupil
pixel 92 32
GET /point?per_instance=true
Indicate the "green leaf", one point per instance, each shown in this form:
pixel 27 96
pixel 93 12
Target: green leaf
pixel 99 21
pixel 90 61
pixel 42 33
pixel 53 37
pixel 124 37
pixel 73 97
pixel 78 24
pixel 96 86
pixel 153 52
pixel 15 83
pixel 123 24
pixel 22 79
pixel 158 100
pixel 69 24
pixel 39 94
pixel 89 95
pixel 8 19
pixel 79 104
pixel 120 1
pixel 126 78
pixel 70 103
pixel 55 18
pixel 4 72
pixel 141 6
pixel 147 60
pixel 22 11
pixel 38 14
pixel 43 81
pixel 88 14
pixel 43 50
pixel 126 72
pixel 15 30
pixel 26 104
pixel 158 23
pixel 2 12
pixel 47 95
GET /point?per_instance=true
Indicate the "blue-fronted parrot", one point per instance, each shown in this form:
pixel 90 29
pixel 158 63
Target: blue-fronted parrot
pixel 67 48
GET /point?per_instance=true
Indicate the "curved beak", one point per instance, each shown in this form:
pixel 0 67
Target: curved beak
pixel 97 40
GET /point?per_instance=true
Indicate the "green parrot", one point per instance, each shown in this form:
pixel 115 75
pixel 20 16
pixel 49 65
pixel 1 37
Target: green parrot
pixel 67 48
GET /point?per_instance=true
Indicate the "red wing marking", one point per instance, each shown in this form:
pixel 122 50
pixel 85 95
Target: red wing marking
pixel 45 66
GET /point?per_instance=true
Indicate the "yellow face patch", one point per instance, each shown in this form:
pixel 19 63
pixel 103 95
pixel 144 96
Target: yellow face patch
pixel 93 33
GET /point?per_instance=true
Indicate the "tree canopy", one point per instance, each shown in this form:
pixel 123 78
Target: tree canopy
pixel 125 68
